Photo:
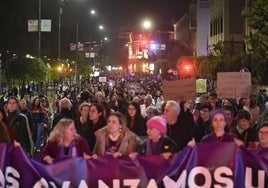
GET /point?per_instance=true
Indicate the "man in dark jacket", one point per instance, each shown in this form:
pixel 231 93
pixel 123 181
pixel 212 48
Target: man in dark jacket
pixel 180 127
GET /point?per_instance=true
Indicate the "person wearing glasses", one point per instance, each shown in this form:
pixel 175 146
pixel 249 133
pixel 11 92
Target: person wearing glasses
pixel 262 143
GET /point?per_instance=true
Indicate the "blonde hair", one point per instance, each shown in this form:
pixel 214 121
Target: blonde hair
pixel 57 133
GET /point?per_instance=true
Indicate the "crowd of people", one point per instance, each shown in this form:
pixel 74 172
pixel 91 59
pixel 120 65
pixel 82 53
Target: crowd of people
pixel 128 117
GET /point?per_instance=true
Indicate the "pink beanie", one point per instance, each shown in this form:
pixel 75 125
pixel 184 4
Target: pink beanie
pixel 159 123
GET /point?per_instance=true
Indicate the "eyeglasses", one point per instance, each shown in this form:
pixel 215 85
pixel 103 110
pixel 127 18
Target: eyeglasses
pixel 263 133
pixel 204 111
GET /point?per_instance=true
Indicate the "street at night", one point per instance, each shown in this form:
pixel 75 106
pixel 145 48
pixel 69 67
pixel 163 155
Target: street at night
pixel 144 93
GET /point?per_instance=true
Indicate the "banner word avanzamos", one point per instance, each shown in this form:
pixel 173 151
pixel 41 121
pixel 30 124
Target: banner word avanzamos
pixel 205 165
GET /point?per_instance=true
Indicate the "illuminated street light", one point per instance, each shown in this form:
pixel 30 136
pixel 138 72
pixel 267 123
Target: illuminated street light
pixel 93 12
pixel 101 27
pixel 147 24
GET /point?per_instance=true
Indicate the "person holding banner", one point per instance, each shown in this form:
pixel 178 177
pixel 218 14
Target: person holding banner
pixel 115 139
pixel 219 122
pixel 64 142
pixel 262 138
pixel 157 143
pixel 180 129
pixel 243 130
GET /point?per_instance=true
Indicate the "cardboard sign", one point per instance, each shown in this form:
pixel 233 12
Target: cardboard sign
pixel 102 79
pixel 233 84
pixel 179 90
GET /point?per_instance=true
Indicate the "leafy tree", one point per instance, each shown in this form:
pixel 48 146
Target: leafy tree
pixel 85 70
pixel 257 18
pixel 26 69
pixel 222 59
pixel 176 51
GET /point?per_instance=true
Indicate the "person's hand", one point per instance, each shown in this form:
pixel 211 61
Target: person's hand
pixel 238 142
pixel 94 156
pixel 16 144
pixel 86 156
pixel 48 159
pixel 166 155
pixel 116 103
pixel 191 143
pixel 133 155
pixel 117 154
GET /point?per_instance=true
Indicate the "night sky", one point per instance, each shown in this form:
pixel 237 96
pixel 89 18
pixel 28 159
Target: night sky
pixel 113 14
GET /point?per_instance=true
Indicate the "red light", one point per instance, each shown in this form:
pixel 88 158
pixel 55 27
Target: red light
pixel 187 68
pixel 143 42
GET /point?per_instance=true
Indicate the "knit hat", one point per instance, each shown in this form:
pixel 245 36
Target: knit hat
pixel 159 123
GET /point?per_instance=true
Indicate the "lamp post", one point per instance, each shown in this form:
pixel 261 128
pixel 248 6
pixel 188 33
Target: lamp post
pixel 39 27
pixel 62 3
pixel 147 24
pixel 60 13
pixel 92 12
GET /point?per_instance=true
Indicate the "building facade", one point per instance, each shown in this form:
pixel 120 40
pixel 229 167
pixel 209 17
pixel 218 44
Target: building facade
pixel 226 24
pixel 209 22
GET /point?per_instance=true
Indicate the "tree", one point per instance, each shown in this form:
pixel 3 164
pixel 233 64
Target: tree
pixel 222 59
pixel 256 14
pixel 26 69
pixel 176 51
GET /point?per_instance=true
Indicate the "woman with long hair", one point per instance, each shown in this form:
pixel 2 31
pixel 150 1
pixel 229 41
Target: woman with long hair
pixel 40 121
pixel 135 121
pixel 64 142
pixel 5 133
pixel 115 139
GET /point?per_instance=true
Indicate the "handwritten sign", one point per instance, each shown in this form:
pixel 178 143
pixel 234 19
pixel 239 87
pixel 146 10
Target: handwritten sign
pixel 179 90
pixel 102 79
pixel 201 86
pixel 233 84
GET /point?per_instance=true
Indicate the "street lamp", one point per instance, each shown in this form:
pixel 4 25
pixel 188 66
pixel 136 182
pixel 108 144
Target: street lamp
pixel 147 24
pixel 62 3
pixel 92 12
pixel 101 27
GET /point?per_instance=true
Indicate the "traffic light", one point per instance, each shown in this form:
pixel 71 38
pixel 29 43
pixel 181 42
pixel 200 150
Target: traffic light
pixel 186 67
pixel 143 45
pixel 143 42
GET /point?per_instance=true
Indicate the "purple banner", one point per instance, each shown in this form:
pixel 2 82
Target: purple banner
pixel 206 165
